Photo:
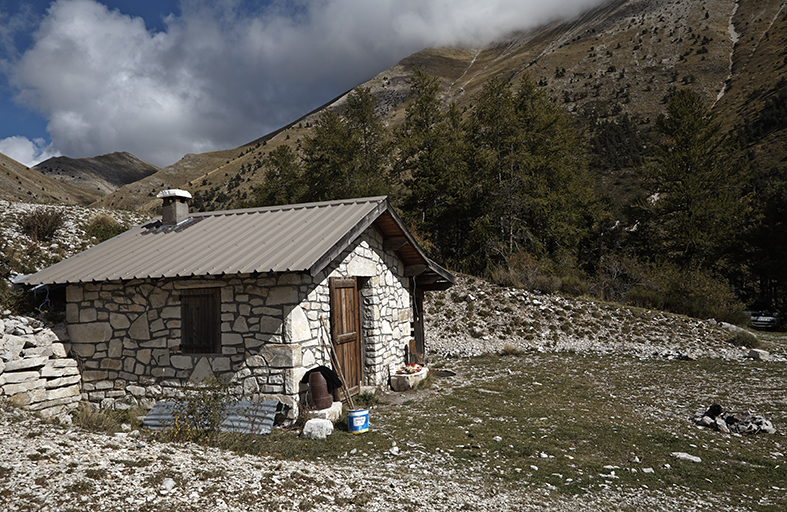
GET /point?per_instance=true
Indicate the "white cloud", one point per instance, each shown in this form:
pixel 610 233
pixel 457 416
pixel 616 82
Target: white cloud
pixel 25 151
pixel 219 77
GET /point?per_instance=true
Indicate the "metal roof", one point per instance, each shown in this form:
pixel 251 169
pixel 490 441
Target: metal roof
pixel 290 238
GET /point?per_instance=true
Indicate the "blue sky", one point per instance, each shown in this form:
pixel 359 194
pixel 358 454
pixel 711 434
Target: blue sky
pixel 163 78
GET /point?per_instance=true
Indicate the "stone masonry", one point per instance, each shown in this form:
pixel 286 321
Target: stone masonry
pixel 127 335
pixel 35 373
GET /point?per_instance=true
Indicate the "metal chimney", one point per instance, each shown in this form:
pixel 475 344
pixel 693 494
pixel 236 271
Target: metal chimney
pixel 175 208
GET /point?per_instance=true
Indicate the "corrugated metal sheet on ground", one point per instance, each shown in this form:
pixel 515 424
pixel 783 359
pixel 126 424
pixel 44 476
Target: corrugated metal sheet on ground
pixel 243 416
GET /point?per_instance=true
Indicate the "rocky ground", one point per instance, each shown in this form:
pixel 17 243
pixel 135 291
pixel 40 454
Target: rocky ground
pixel 476 317
pixel 69 239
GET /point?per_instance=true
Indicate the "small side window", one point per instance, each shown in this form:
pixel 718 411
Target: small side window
pixel 200 313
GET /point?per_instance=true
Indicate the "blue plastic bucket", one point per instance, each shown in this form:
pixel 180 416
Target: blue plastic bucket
pixel 358 421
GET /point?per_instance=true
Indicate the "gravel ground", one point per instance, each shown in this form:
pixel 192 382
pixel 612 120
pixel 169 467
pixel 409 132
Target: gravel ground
pixel 475 317
pixel 52 468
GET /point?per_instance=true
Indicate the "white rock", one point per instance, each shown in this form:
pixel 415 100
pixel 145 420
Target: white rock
pixel 686 456
pixel 317 428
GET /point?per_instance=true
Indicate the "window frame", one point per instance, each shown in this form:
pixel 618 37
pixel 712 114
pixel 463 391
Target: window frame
pixel 200 308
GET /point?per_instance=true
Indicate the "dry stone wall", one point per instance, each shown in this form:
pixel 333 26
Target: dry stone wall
pixel 34 371
pixel 127 335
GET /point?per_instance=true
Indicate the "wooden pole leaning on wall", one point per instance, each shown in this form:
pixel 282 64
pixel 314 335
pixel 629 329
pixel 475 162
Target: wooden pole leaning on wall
pixel 335 358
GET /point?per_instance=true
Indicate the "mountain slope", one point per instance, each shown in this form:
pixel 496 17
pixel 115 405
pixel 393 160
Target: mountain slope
pixel 20 183
pixel 99 175
pixel 621 59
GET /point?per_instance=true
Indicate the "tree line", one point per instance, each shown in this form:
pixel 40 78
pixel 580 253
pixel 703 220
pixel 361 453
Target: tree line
pixel 506 190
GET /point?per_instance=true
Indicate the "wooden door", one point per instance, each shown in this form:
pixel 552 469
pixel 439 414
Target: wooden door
pixel 346 330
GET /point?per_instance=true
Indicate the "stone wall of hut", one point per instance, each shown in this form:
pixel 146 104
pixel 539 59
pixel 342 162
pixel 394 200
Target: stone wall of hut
pixel 127 335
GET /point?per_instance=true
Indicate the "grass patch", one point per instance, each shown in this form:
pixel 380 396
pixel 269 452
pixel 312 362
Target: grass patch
pixel 584 421
pixel 89 417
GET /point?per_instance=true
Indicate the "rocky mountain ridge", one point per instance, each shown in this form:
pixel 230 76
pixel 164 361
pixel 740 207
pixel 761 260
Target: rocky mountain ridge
pixel 20 183
pixel 620 59
pixel 99 175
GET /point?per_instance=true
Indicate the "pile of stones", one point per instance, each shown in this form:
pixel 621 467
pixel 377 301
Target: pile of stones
pixel 740 422
pixel 35 372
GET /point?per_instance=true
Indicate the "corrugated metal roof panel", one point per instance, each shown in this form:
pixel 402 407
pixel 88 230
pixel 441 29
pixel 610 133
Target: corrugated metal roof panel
pixel 272 239
pixel 242 416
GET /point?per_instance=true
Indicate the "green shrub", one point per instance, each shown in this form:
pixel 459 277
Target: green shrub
pixel 41 224
pixel 644 297
pixel 573 286
pixel 198 416
pixel 699 294
pixel 103 227
pixel 9 299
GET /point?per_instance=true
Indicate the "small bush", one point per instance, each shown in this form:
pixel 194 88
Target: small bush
pixel 366 399
pixel 41 224
pixel 93 419
pixel 103 227
pixel 699 294
pixel 81 487
pixel 510 350
pixel 574 287
pixel 199 416
pixel 545 284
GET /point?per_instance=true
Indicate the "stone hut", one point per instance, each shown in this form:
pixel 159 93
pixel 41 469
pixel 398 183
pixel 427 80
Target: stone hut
pixel 242 295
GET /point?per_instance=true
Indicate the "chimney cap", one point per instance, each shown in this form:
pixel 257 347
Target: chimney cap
pixel 173 192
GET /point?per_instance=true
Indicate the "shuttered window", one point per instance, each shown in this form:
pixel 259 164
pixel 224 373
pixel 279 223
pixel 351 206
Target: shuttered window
pixel 200 321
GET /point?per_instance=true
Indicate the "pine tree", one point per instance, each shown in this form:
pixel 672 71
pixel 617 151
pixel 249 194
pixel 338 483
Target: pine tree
pixel 531 176
pixel 283 182
pixel 696 206
pixel 346 154
pixel 431 167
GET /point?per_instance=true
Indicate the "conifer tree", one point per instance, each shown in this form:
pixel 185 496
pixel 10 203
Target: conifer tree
pixel 346 154
pixel 283 182
pixel 696 206
pixel 431 167
pixel 533 185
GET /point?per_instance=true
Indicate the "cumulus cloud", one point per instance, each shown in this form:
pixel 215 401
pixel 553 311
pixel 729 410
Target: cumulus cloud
pixel 221 75
pixel 25 151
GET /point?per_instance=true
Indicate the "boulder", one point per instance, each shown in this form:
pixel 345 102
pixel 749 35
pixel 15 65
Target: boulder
pixel 317 429
pixel 758 353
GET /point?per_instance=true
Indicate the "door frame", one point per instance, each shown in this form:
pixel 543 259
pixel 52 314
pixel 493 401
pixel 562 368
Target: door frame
pixel 346 330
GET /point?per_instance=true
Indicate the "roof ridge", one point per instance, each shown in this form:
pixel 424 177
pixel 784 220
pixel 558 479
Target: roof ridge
pixel 287 207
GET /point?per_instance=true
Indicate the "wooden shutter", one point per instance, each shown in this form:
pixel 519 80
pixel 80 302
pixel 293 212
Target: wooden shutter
pixel 346 329
pixel 200 321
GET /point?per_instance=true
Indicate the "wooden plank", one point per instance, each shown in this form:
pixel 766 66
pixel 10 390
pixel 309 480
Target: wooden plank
pixel 394 243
